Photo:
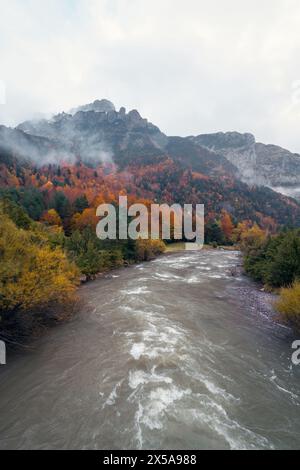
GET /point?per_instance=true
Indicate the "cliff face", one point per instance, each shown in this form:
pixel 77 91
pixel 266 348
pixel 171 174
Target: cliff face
pixel 239 149
pixel 257 163
pixel 277 166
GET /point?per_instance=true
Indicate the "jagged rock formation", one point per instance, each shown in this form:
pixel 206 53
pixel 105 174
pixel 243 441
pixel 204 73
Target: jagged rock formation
pixel 277 166
pixel 99 106
pixel 96 131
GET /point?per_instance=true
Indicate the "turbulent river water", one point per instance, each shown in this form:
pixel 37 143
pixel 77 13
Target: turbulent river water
pixel 169 354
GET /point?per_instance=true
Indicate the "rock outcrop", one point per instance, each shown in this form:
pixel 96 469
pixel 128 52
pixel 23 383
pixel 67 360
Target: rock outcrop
pixel 257 163
pixel 99 106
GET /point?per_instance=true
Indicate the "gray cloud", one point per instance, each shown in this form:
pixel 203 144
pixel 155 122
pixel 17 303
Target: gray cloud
pixel 190 67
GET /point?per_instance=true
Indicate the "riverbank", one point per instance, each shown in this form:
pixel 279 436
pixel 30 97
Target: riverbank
pixel 260 302
pixel 181 246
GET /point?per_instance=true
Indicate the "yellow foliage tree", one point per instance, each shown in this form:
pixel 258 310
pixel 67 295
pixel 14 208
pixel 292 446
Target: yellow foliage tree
pixel 288 304
pixel 240 229
pixel 148 249
pixel 31 273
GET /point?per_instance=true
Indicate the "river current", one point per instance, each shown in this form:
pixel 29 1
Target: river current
pixel 169 354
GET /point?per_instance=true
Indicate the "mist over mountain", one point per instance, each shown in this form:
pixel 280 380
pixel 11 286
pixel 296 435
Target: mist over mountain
pixel 30 148
pixel 97 133
pixel 257 163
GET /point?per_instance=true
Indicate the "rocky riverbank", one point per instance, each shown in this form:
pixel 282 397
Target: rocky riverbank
pixel 260 301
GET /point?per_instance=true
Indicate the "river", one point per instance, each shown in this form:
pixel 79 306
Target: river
pixel 169 354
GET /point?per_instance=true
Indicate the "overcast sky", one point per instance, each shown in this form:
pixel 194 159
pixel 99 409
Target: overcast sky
pixel 189 66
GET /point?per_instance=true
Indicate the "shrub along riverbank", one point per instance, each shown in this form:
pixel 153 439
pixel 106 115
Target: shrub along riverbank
pixel 274 260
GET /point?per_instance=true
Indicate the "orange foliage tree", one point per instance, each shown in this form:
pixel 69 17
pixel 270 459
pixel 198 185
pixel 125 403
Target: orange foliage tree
pixel 87 218
pixel 51 217
pixel 227 225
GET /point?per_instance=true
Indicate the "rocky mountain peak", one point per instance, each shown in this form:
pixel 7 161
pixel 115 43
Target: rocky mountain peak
pixel 91 129
pixel 98 106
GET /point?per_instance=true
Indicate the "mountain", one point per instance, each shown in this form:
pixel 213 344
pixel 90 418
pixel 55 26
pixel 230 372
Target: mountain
pixel 98 133
pixel 95 147
pixel 257 163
